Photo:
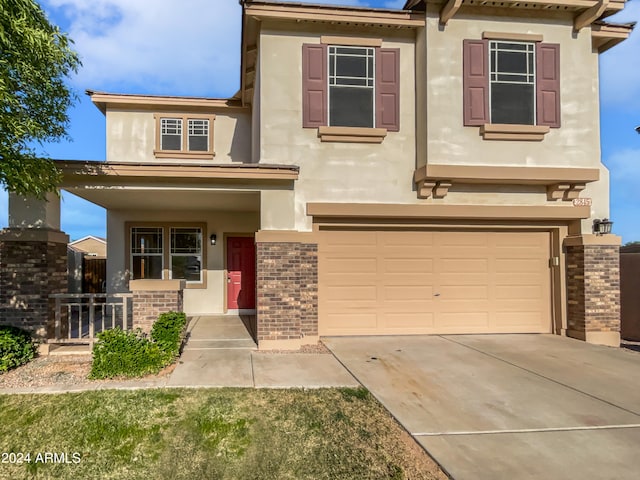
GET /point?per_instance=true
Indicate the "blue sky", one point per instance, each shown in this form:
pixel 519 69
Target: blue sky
pixel 128 47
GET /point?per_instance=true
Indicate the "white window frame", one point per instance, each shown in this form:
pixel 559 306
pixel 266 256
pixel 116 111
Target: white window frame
pixel 204 125
pixel 141 254
pixel 199 255
pixel 370 77
pixel 531 51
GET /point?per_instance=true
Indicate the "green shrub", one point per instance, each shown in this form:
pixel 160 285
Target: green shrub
pixel 167 332
pixel 16 348
pixel 126 353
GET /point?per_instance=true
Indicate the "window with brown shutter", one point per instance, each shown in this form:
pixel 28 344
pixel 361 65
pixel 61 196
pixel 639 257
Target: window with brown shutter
pixel 511 82
pixel 351 91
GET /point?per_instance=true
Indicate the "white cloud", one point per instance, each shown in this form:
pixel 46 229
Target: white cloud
pixel 620 66
pixel 190 47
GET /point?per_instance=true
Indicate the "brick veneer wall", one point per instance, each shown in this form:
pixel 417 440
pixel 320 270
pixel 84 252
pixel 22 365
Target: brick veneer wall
pixel 149 304
pixel 593 288
pixel 287 290
pixel 29 272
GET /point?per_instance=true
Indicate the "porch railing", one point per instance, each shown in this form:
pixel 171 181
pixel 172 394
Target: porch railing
pixel 80 316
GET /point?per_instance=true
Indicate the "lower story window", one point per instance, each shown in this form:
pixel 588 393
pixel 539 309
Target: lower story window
pixel 167 252
pixel 146 253
pixel 186 254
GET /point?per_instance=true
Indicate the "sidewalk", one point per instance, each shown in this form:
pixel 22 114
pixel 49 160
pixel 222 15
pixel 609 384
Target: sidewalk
pixel 221 353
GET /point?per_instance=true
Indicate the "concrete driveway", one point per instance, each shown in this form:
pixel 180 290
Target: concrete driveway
pixel 508 406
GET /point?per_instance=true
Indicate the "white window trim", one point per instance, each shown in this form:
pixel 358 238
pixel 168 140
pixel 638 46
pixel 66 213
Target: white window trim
pixel 166 248
pixel 199 255
pixel 533 74
pixel 372 87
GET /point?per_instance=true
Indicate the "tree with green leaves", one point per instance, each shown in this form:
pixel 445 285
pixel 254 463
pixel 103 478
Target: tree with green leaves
pixel 36 58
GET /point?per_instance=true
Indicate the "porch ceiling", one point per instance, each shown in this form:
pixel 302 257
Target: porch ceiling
pixel 168 198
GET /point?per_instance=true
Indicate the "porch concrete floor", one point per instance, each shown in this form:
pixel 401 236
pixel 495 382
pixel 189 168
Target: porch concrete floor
pixel 221 353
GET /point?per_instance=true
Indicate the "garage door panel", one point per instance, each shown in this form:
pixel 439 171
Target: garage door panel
pixel 407 265
pixel 393 282
pixel 358 322
pixel 352 293
pixel 463 265
pixel 457 292
pixel 403 293
pixel 354 265
pixel 518 319
pixel 399 322
pixel 518 293
pixel 529 265
pixel 462 279
pixel 462 320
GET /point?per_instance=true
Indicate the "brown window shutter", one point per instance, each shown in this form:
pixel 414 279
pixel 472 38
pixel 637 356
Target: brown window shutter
pixel 475 82
pixel 314 85
pixel 548 84
pixel 388 88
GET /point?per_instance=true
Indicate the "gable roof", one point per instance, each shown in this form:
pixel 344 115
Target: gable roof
pixel 89 237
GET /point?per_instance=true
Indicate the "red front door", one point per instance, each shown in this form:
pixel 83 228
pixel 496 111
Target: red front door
pixel 241 273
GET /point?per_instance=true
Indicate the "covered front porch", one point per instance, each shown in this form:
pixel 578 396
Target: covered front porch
pixel 181 237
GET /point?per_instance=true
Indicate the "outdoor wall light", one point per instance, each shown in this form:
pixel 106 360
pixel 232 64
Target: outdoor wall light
pixel 213 238
pixel 602 227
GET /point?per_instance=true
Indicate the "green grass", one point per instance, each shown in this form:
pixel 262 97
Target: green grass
pixel 209 434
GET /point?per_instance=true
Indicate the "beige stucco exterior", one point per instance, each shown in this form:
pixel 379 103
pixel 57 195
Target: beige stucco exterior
pixel 197 301
pixel 342 172
pixel 131 136
pixel 263 126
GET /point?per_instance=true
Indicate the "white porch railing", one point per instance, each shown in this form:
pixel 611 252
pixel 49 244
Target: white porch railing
pixel 80 316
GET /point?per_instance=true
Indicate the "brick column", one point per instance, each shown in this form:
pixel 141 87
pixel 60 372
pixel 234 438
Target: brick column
pixel 153 297
pixel 33 265
pixel 593 288
pixel 287 291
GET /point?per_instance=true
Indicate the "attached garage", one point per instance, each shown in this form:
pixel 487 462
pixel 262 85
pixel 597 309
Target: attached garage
pixel 399 282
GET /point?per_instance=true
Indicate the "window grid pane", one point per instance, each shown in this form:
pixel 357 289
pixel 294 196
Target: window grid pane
pixel 186 254
pixel 198 135
pixel 171 134
pixel 351 86
pixel 147 254
pixel 512 82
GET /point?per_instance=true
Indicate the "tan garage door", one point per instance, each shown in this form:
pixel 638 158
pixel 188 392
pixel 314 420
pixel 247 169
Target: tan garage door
pixel 417 282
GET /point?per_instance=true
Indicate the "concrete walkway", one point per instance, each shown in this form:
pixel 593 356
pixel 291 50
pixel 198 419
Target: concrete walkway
pixel 221 353
pixel 508 406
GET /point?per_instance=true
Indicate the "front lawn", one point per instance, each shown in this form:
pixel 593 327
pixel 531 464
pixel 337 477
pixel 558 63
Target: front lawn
pixel 206 434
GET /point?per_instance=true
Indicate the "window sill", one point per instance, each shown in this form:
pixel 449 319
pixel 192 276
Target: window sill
pixel 181 154
pixel 352 134
pixel 500 131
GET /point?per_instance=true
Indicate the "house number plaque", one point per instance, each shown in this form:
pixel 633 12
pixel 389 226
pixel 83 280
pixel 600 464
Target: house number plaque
pixel 582 202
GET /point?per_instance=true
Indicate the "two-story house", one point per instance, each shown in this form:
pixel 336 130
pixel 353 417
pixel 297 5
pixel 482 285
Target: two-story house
pixel 421 171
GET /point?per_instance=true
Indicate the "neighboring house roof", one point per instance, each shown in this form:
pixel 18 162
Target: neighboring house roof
pixel 90 245
pixel 89 237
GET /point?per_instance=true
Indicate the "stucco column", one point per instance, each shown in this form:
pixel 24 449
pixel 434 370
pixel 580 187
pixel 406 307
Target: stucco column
pixel 593 288
pixel 33 264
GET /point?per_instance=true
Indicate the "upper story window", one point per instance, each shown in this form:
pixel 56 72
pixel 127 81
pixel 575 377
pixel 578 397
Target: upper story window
pixel 512 83
pixel 511 86
pixel 184 136
pixel 350 89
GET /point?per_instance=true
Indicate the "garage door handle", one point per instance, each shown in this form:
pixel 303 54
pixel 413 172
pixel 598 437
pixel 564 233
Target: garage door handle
pixel 436 294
